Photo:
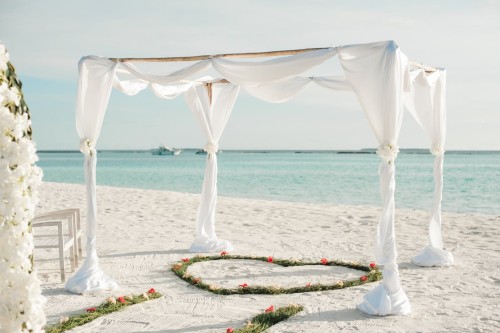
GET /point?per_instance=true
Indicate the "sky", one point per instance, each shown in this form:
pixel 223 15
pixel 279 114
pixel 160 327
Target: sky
pixel 47 38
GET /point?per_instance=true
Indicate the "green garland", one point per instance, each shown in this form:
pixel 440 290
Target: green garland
pixel 180 269
pixel 267 319
pixel 110 305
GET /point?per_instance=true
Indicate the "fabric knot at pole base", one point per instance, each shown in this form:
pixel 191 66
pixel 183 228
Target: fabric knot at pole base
pixel 431 256
pixel 210 245
pixel 380 302
pixel 90 278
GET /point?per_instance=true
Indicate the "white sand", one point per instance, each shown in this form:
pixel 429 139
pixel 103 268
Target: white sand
pixel 141 233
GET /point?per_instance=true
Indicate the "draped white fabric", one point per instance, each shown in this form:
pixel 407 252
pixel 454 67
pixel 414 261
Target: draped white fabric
pixel 212 113
pixel 426 101
pixel 166 79
pixel 284 90
pixel 94 87
pixel 170 91
pixel 246 73
pixel 130 87
pixel 377 73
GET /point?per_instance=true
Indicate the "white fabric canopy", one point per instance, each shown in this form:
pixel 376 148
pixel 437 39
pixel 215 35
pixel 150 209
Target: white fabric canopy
pixel 426 101
pixel 379 75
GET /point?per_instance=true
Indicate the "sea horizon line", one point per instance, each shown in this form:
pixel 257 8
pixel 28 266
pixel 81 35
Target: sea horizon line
pixel 298 151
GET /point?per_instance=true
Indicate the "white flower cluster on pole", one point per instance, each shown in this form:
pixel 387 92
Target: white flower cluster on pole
pixel 21 300
pixel 388 152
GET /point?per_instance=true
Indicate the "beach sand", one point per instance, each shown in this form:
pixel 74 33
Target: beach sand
pixel 141 233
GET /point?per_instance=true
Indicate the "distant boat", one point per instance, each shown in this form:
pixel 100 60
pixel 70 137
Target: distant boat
pixel 203 152
pixel 164 150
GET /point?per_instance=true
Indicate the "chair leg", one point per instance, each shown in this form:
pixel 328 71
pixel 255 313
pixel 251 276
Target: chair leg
pixel 80 247
pixel 61 252
pixel 75 235
pixel 78 226
pixel 72 249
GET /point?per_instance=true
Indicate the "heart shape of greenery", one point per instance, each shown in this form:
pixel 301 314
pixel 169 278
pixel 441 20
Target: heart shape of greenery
pixel 371 274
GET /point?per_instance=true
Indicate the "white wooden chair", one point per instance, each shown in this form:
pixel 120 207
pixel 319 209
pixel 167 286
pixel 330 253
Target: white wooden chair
pixel 64 241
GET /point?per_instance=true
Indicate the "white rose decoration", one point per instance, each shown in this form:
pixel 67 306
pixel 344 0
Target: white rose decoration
pixel 211 148
pixel 388 152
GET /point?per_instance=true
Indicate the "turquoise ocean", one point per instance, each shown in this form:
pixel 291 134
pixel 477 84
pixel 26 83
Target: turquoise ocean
pixel 471 179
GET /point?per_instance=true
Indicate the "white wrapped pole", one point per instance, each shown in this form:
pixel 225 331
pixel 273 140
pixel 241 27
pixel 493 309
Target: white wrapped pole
pixel 94 87
pixel 388 298
pixel 433 254
pixel 426 101
pixel 211 105
pixel 377 73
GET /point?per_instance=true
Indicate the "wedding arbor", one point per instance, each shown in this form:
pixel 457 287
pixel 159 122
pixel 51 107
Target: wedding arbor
pixel 381 76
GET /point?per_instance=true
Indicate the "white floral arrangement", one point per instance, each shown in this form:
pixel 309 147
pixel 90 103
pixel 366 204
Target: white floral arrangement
pixel 437 149
pixel 21 300
pixel 388 152
pixel 87 147
pixel 211 148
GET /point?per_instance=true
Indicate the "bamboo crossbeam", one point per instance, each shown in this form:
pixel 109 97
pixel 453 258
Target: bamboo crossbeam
pixel 245 55
pixel 224 55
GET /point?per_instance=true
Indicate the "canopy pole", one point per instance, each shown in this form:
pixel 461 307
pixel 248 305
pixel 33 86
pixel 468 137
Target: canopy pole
pixel 209 90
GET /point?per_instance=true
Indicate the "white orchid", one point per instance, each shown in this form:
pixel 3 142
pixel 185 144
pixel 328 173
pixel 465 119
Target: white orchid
pixel 9 96
pixel 21 298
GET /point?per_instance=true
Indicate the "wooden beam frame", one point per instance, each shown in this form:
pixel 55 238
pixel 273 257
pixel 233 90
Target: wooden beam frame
pixel 245 55
pixel 224 55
